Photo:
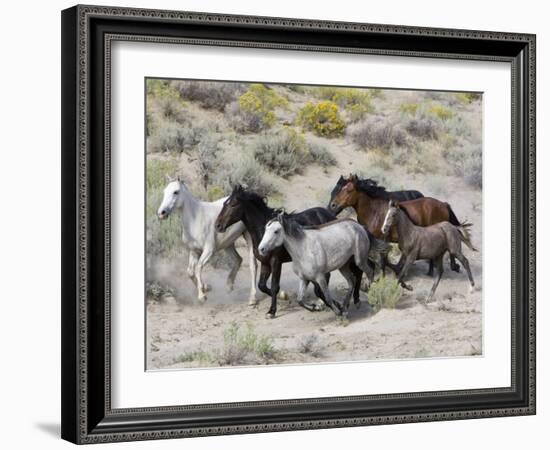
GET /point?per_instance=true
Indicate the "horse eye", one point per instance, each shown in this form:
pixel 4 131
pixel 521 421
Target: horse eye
pixel 176 192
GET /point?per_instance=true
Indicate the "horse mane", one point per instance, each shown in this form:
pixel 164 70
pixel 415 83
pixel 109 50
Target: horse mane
pixel 291 227
pixel 371 188
pixel 326 224
pixel 256 200
pixel 402 208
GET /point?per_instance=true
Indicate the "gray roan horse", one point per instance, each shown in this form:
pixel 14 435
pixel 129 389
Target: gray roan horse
pixel 318 250
pixel 200 238
pixel 429 242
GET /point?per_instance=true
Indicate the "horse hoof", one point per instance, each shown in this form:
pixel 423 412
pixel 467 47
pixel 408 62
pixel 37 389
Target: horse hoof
pixel 270 315
pixel 202 298
pixel 408 287
pixel 358 305
pixel 253 302
pixel 229 287
pixel 282 295
pixel 472 289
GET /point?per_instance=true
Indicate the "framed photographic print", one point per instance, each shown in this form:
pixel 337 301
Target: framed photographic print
pixel 281 224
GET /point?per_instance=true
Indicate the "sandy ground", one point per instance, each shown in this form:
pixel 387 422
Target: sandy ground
pixel 183 333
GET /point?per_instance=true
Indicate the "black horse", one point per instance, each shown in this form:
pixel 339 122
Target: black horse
pixel 400 196
pixel 253 211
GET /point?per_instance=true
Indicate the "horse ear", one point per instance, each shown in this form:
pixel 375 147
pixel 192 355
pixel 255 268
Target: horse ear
pixel 169 179
pixel 349 186
pixel 353 178
pixel 178 179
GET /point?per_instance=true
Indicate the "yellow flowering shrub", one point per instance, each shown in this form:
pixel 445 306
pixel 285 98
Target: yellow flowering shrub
pixel 261 101
pixel 322 118
pixel 441 112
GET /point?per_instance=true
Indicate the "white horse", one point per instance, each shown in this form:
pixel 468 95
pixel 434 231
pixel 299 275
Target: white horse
pixel 200 238
pixel 318 250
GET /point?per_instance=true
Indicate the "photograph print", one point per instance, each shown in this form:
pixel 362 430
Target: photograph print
pixel 300 224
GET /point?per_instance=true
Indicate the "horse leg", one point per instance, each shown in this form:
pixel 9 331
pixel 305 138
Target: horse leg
pixel 320 304
pixel 466 265
pixel 351 279
pixel 431 269
pixel 436 277
pixel 235 263
pixel 275 280
pixel 358 275
pixel 409 260
pixel 396 268
pixel 301 293
pixel 454 266
pixel 193 258
pixel 335 306
pixel 265 272
pixel 253 265
pixel 203 259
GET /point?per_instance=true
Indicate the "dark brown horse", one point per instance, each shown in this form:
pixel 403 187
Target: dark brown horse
pixel 253 211
pixel 370 202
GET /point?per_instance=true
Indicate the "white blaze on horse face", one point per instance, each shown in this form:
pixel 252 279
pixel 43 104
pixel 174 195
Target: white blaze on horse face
pixel 388 220
pixel 273 237
pixel 170 199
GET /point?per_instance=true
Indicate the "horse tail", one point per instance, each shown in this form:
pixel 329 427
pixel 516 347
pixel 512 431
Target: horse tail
pixel 452 217
pixel 465 235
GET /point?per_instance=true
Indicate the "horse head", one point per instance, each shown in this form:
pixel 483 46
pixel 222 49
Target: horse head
pixel 232 210
pixel 344 194
pixel 273 235
pixel 172 197
pixel 391 214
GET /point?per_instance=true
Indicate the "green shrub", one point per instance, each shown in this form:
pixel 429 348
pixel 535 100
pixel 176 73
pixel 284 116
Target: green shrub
pixel 441 112
pixel 245 346
pixel 255 109
pixel 245 171
pixel 384 293
pixel 322 118
pixel 174 137
pixel 283 152
pixel 466 160
pixel 357 102
pixel 207 150
pixel 467 97
pixel 161 89
pixel 215 193
pixel 377 132
pixel 209 94
pixel 321 155
pixel 161 237
pixel 409 108
pixel 423 127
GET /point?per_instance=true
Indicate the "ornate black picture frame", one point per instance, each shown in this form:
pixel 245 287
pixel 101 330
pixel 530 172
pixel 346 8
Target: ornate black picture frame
pixel 87 34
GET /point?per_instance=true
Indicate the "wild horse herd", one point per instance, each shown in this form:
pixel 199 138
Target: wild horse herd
pixel 316 241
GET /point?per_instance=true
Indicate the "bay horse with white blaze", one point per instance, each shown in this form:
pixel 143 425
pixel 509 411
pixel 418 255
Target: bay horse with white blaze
pixel 370 202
